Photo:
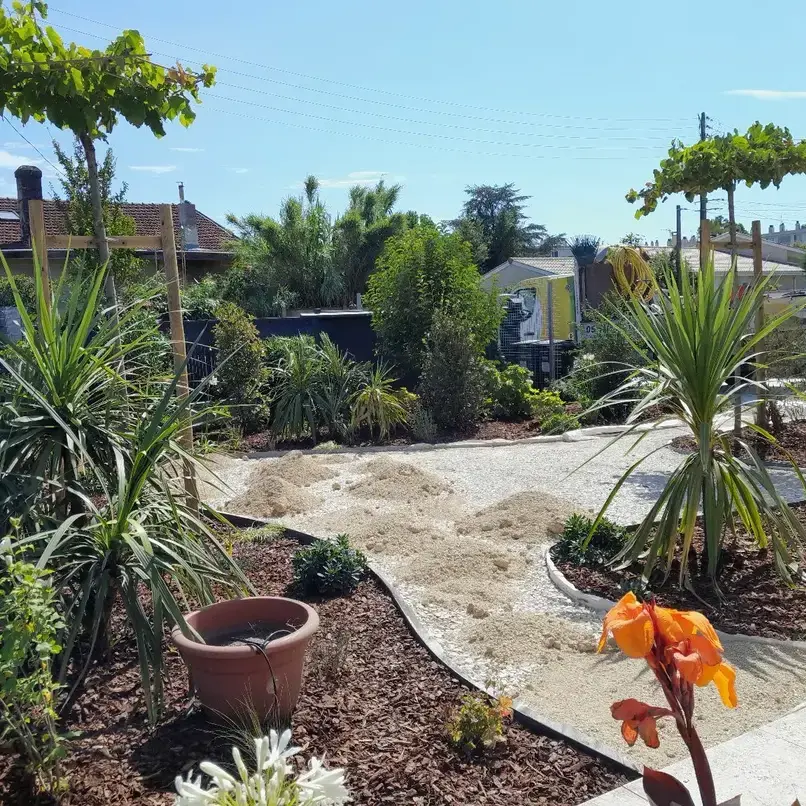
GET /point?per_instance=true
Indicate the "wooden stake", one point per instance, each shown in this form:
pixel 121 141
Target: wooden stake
pixel 178 339
pixel 39 243
pixel 758 271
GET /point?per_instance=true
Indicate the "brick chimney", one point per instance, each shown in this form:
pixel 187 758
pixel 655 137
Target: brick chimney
pixel 188 224
pixel 29 186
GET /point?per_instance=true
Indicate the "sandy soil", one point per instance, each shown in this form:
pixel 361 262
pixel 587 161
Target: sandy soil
pixel 463 535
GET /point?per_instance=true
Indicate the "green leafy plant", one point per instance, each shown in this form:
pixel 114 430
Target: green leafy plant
pixel 201 299
pixel 376 405
pixel 452 384
pixel 477 725
pixel 511 392
pixel 28 645
pixel 338 379
pixel 546 404
pixel 241 374
pixel 329 567
pixel 700 336
pixel 420 274
pixel 582 543
pixel 559 423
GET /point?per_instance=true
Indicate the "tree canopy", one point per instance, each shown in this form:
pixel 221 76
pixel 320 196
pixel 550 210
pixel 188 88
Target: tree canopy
pixel 493 222
pixel 764 155
pixel 420 273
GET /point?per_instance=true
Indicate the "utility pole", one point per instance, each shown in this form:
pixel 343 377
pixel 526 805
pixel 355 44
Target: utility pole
pixel 678 247
pixel 703 196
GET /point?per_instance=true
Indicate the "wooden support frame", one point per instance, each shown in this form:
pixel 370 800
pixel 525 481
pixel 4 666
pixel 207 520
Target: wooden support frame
pixel 164 242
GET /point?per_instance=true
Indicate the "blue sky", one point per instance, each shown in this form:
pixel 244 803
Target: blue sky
pixel 575 102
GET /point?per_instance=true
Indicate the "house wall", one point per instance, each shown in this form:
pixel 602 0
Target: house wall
pixel 509 276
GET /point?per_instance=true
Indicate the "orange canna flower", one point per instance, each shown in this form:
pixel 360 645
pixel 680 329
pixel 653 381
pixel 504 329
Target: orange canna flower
pixel 723 677
pixel 639 719
pixel 631 626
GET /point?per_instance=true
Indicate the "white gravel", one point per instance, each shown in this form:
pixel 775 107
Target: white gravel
pixel 519 629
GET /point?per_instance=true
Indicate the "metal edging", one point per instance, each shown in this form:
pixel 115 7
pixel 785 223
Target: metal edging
pixel 522 714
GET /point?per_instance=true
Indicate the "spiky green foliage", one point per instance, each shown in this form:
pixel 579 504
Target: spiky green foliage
pixel 375 404
pixel 693 339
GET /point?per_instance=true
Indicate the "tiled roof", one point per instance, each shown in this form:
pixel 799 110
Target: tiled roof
pixel 561 266
pixel 212 236
pixel 722 262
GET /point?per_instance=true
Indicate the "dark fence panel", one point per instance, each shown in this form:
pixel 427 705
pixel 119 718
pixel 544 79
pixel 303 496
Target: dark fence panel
pixel 351 331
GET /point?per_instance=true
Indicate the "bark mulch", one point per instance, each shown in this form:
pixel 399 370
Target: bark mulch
pixel 753 599
pixel 791 439
pixel 378 709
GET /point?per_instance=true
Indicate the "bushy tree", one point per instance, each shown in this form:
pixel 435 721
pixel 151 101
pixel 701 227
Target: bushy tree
pixel 453 384
pixel 494 222
pixel 89 91
pixel 76 196
pixel 420 274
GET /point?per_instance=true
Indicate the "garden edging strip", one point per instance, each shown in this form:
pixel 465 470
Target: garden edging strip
pixel 600 604
pixel 522 713
pixel 577 435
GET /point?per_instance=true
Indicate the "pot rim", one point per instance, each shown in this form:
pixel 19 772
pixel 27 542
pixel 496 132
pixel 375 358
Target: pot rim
pixel 301 634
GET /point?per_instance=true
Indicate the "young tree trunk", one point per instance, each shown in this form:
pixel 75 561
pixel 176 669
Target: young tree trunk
pixel 98 226
pixel 737 398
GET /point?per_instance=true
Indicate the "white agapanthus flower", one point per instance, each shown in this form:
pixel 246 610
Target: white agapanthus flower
pixel 272 783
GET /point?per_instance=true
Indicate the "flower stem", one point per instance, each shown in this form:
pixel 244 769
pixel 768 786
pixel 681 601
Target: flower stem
pixel 702 769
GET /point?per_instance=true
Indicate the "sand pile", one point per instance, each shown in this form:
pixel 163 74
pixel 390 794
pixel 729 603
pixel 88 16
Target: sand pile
pixel 472 575
pixel 396 534
pixel 397 481
pixel 536 639
pixel 530 517
pixel 269 495
pixel 301 470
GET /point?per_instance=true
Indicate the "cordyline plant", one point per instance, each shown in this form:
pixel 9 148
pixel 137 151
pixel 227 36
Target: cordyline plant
pixel 691 339
pixel 683 650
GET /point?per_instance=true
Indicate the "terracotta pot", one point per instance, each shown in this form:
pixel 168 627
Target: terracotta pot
pixel 231 680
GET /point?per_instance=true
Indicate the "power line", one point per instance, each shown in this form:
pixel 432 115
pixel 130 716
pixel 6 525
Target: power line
pixel 360 87
pixel 412 145
pixel 20 134
pixel 433 134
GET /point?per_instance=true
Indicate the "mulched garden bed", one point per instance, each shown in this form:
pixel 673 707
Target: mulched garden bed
pixel 753 599
pixel 382 718
pixel 791 438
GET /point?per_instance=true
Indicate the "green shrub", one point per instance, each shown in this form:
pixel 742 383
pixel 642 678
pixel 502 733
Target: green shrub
pixel 28 645
pixel 452 385
pixel 511 392
pixel 408 400
pixel 605 543
pixel 376 405
pixel 200 299
pixel 559 423
pixel 477 725
pixel 546 404
pixel 422 425
pixel 420 274
pixel 329 568
pixel 296 392
pixel 26 288
pixel 337 381
pixel 241 374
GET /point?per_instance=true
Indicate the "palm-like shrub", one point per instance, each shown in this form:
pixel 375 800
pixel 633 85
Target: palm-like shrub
pixel 690 341
pixel 65 396
pixel 145 548
pixel 295 392
pixel 376 405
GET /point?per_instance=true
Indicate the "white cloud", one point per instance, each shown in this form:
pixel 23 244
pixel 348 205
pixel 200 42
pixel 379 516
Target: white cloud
pixel 9 160
pixel 770 95
pixel 154 169
pixel 358 178
pixel 20 144
pixel 187 149
pixel 241 170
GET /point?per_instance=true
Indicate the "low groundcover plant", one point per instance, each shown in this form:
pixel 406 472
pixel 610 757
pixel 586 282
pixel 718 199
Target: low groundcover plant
pixel 273 782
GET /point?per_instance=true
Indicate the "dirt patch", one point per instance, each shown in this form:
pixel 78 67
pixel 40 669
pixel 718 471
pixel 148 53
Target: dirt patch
pixel 379 710
pixel 529 517
pixel 753 599
pixel 397 481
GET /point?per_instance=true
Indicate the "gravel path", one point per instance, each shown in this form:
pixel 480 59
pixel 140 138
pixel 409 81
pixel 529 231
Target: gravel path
pixel 462 532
